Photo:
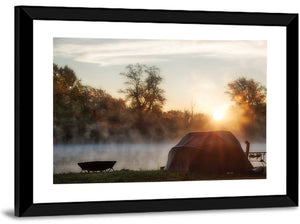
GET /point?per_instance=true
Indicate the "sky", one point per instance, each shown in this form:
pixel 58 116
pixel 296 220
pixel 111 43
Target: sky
pixel 195 72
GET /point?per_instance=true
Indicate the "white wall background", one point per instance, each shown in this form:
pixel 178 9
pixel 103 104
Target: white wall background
pixel 271 215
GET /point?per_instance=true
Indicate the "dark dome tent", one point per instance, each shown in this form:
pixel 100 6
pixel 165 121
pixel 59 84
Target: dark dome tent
pixel 215 152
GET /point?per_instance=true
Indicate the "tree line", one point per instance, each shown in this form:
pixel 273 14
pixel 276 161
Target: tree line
pixel 83 114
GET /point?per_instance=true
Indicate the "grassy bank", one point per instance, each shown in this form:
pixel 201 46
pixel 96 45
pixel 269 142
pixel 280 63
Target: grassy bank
pixel 144 176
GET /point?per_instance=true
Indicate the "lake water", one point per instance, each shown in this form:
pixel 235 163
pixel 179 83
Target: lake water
pixel 134 156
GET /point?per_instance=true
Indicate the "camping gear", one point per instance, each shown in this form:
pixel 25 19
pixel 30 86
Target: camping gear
pixel 97 166
pixel 216 152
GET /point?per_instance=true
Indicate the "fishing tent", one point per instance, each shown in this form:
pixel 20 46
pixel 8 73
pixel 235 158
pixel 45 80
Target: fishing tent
pixel 213 152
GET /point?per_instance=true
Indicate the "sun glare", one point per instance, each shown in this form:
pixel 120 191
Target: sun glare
pixel 217 115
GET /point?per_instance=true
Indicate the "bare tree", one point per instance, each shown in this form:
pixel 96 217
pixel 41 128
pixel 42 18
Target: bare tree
pixel 144 94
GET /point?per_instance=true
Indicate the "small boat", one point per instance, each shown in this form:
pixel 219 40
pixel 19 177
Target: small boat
pixel 97 166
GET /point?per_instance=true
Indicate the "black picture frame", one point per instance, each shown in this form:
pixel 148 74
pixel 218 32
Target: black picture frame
pixel 24 18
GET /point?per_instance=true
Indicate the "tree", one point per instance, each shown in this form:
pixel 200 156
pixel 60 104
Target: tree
pixel 81 112
pixel 143 94
pixel 64 76
pixel 247 92
pixel 250 98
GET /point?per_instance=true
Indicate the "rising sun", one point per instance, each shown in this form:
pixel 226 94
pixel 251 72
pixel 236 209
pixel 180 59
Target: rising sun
pixel 217 115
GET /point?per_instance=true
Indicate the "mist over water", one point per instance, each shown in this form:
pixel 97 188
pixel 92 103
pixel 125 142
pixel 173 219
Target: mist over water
pixel 257 147
pixel 133 156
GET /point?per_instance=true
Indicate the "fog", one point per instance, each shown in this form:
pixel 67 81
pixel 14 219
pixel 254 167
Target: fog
pixel 257 147
pixel 134 156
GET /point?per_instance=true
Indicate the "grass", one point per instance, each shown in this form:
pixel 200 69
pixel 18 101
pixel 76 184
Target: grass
pixel 144 176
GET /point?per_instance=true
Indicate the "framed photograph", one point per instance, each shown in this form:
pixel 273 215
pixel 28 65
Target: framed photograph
pixel 122 110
